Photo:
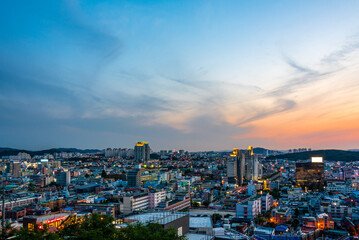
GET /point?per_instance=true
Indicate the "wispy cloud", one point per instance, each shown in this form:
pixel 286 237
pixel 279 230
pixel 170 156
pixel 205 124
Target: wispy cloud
pixel 73 73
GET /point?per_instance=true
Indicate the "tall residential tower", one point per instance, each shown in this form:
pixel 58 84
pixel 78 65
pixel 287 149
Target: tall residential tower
pixel 142 152
pixel 235 167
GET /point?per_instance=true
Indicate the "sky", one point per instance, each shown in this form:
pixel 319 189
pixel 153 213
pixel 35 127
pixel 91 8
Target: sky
pixel 193 75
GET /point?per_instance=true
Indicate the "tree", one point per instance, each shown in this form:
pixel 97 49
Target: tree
pixel 275 193
pixel 53 184
pixel 38 234
pixel 267 215
pixel 93 227
pixel 206 203
pixel 294 223
pixel 104 174
pixel 7 232
pixel 194 204
pixel 259 219
pixel 216 217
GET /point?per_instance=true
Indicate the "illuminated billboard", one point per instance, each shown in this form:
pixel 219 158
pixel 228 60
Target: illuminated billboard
pixel 317 159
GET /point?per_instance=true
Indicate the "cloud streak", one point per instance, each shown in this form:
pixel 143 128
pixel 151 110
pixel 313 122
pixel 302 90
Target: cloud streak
pixel 75 74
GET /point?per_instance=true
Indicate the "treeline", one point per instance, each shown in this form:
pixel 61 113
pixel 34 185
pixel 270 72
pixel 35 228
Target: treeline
pixel 10 151
pixel 95 227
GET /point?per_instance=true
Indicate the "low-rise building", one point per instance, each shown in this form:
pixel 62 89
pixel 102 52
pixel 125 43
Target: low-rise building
pixel 174 205
pixel 340 187
pixel 175 220
pixel 15 213
pixel 105 209
pixel 137 202
pixel 336 210
pixel 249 208
pixel 325 221
pixel 44 221
pixel 281 215
pixel 155 198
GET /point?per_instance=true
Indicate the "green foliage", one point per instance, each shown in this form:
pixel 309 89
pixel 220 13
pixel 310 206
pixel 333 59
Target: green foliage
pixel 104 174
pixel 194 204
pixel 294 223
pixel 275 193
pixel 53 184
pixel 7 232
pixel 96 227
pixel 187 172
pixel 216 217
pixel 329 155
pixel 267 215
pixel 38 234
pixel 206 203
pixel 112 200
pixel 259 219
pixel 271 225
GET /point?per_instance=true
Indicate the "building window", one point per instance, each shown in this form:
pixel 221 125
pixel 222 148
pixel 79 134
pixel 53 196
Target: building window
pixel 30 226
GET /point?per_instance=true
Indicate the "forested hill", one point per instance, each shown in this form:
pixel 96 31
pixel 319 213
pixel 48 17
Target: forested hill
pixel 11 151
pixel 328 155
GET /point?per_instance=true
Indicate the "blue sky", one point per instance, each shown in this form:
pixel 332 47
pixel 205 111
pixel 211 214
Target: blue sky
pixel 198 75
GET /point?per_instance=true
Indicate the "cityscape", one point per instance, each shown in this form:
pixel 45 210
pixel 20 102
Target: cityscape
pixel 179 120
pixel 240 194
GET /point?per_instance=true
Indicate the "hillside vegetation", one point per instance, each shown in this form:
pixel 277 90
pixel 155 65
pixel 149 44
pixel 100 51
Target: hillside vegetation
pixel 328 155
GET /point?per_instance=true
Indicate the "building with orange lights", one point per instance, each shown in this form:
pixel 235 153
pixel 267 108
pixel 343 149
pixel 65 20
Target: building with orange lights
pixel 325 222
pixel 310 173
pixel 44 221
pixel 280 216
pixel 251 164
pixel 235 167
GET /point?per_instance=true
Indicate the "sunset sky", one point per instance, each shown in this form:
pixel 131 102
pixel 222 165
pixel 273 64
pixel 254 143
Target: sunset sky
pixel 193 75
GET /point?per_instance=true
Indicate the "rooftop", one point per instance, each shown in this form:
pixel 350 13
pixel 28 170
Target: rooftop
pixel 49 217
pixel 158 217
pixel 200 222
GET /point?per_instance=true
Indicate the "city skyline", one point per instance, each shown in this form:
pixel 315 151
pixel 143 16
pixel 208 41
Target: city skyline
pixel 185 75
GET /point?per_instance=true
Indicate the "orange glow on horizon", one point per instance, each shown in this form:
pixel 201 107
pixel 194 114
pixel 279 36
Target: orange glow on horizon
pixel 321 118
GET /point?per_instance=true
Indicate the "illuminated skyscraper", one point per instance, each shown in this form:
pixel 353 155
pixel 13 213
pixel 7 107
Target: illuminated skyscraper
pixel 235 167
pixel 142 152
pixel 310 173
pixel 251 164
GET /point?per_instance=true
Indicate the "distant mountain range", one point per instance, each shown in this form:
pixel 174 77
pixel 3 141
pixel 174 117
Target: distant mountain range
pixel 328 155
pixel 11 151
